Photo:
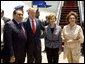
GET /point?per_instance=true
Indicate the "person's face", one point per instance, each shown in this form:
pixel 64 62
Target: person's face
pixel 37 14
pixel 72 19
pixel 19 15
pixel 52 20
pixel 32 14
pixel 2 14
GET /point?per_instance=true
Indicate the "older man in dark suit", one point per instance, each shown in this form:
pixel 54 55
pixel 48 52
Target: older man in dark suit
pixel 33 27
pixel 14 40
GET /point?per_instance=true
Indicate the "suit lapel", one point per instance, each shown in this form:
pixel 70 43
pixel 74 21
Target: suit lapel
pixel 15 23
pixel 49 30
pixel 36 25
pixel 16 26
pixel 29 26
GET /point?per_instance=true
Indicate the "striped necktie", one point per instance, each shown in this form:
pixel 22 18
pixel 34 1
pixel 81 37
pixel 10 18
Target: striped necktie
pixel 23 30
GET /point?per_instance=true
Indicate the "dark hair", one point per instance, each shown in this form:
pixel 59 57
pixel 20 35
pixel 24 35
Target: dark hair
pixel 2 11
pixel 14 12
pixel 72 13
pixel 37 10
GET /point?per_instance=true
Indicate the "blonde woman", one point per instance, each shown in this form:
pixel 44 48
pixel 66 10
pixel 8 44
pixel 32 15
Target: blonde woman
pixel 53 41
pixel 72 36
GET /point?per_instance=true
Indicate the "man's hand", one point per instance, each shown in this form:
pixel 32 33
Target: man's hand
pixel 12 59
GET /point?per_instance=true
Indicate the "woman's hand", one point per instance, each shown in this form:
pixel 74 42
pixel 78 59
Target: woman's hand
pixel 72 41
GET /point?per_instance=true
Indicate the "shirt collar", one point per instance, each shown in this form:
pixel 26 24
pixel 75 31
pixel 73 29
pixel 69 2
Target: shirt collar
pixel 72 27
pixel 31 19
pixel 17 21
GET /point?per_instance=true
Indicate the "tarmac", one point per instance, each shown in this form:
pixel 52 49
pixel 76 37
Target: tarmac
pixel 61 60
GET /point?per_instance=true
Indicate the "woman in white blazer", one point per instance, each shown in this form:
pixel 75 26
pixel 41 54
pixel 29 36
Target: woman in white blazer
pixel 72 36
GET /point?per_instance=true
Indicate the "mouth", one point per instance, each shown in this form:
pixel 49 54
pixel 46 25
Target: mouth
pixel 72 21
pixel 53 21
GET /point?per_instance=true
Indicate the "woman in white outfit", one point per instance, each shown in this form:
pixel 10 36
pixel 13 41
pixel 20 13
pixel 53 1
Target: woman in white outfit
pixel 72 36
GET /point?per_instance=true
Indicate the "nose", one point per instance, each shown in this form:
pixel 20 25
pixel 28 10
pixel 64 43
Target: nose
pixel 72 18
pixel 21 16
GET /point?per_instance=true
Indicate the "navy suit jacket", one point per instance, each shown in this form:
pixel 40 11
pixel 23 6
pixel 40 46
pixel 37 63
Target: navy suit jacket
pixel 33 41
pixel 14 40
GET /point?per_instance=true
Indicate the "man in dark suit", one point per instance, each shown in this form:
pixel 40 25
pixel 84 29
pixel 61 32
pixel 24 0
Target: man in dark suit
pixel 33 28
pixel 14 40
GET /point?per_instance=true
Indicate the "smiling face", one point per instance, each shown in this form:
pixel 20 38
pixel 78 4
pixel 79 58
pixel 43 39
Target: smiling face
pixel 72 19
pixel 32 13
pixel 52 20
pixel 19 15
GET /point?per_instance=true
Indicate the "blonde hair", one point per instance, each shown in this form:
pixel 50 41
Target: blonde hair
pixel 50 16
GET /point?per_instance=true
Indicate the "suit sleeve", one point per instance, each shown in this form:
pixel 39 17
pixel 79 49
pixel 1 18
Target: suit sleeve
pixel 41 26
pixel 43 35
pixel 8 38
pixel 60 40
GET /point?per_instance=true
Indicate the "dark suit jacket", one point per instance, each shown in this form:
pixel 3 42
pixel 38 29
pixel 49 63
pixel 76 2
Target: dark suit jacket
pixel 14 40
pixel 45 23
pixel 33 41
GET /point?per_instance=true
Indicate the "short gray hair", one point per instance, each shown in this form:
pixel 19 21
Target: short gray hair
pixel 31 9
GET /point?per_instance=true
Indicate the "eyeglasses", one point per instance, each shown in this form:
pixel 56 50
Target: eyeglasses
pixel 20 14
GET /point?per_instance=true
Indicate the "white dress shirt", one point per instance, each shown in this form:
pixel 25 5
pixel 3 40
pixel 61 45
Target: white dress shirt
pixel 31 23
